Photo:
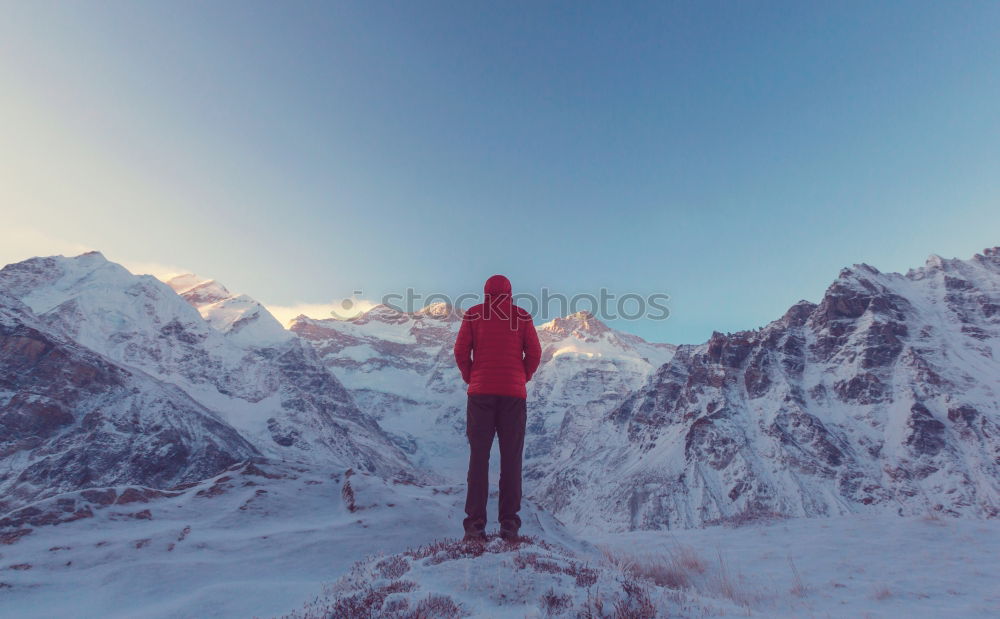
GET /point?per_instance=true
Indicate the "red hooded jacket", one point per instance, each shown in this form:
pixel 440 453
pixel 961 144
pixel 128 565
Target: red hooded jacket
pixel 497 349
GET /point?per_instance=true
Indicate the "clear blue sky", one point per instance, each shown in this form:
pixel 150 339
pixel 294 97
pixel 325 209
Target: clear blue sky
pixel 734 155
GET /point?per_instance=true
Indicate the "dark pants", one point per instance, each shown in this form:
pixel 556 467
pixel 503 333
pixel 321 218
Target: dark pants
pixel 504 416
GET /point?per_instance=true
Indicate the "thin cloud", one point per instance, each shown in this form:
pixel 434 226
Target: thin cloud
pixel 162 272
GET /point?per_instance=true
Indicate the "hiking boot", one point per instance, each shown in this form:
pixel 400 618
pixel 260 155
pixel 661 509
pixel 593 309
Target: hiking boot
pixel 509 534
pixel 474 534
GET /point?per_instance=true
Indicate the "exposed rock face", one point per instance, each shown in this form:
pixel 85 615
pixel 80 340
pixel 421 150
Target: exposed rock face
pixel 71 419
pixel 886 394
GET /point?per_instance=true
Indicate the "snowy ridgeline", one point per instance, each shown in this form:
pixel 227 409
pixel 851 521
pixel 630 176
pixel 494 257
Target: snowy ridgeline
pixel 880 400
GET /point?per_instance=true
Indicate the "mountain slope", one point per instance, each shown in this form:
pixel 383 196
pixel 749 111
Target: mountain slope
pixel 885 395
pixel 272 389
pixel 71 419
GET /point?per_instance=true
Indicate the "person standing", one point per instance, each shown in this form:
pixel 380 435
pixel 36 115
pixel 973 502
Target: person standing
pixel 497 352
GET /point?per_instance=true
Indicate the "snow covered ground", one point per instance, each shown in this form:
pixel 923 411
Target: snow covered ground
pixel 258 541
pixel 275 539
pixel 850 566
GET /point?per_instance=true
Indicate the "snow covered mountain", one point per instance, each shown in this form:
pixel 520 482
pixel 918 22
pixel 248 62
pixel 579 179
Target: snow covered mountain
pixel 885 394
pixel 70 419
pixel 225 354
pixel 400 366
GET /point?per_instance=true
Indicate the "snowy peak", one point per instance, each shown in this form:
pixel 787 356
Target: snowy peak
pixel 432 325
pixel 985 264
pixel 382 313
pixel 43 283
pixel 388 315
pixel 989 259
pixel 934 261
pixel 94 301
pixel 991 254
pixel 583 334
pixel 797 314
pixel 244 320
pixel 184 282
pixel 582 325
pixel 198 291
pixel 441 311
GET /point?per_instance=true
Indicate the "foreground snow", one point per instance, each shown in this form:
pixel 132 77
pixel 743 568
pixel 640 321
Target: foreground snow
pixel 850 566
pixel 273 539
pixel 525 578
pixel 255 540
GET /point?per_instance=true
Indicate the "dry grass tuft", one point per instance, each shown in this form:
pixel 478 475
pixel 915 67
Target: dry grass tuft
pixel 799 588
pixel 686 557
pixel 673 570
pixel 555 604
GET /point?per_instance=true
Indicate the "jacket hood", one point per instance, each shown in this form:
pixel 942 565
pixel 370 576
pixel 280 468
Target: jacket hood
pixel 497 287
